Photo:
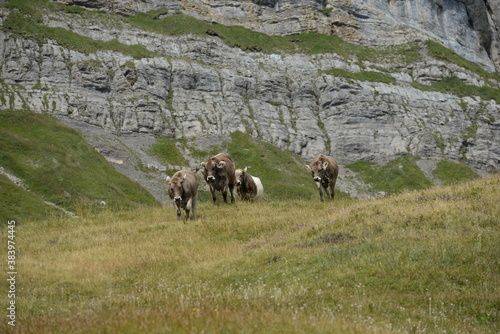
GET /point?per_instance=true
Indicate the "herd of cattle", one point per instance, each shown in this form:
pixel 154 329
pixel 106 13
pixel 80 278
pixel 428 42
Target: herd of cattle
pixel 220 174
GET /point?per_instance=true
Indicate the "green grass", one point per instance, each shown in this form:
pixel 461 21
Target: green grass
pixel 18 204
pixel 397 176
pixel 241 37
pixel 58 165
pixel 455 86
pixel 249 40
pixel 440 52
pixel 26 22
pixel 362 75
pixel 425 261
pixel 167 151
pixel 450 172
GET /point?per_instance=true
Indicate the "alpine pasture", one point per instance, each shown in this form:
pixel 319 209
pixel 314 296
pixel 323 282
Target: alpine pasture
pixel 420 261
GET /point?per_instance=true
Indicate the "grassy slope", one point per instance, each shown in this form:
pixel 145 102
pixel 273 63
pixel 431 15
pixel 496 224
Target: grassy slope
pixel 450 172
pixel 401 174
pixel 58 165
pixel 426 261
pixel 18 204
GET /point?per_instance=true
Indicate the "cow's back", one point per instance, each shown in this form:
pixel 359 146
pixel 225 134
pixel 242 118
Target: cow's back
pixel 260 187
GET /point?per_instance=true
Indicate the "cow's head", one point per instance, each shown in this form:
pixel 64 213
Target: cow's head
pixel 175 189
pixel 211 168
pixel 240 175
pixel 318 170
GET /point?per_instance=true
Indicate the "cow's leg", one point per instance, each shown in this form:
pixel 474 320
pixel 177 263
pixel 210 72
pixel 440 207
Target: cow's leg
pixel 178 208
pixel 193 206
pixel 224 194
pixel 214 196
pixel 189 206
pixel 329 191
pixel 320 191
pixel 332 189
pixel 231 189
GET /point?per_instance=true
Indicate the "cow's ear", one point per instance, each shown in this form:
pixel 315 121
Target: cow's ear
pixel 221 164
pixel 203 164
pixel 325 164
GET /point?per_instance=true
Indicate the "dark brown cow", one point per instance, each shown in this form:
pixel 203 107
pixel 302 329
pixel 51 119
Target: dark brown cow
pixel 248 187
pixel 219 174
pixel 182 188
pixel 324 171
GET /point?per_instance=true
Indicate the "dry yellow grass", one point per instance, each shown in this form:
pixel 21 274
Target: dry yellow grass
pixel 425 261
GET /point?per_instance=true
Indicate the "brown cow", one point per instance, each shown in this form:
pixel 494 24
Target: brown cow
pixel 324 171
pixel 219 174
pixel 249 187
pixel 182 188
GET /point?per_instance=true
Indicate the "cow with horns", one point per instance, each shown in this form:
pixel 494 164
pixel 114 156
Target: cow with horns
pixel 249 187
pixel 182 188
pixel 324 171
pixel 218 172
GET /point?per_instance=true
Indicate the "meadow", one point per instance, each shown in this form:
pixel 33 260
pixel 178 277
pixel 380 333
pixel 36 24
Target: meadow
pixel 56 164
pixel 421 261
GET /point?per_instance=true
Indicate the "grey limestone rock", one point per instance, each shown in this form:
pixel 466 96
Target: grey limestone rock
pixel 469 27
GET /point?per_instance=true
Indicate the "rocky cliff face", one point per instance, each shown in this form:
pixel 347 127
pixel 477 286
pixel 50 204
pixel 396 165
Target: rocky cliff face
pixel 198 86
pixel 468 27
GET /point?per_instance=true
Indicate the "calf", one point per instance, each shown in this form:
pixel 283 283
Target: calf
pixel 324 171
pixel 218 172
pixel 182 188
pixel 249 187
